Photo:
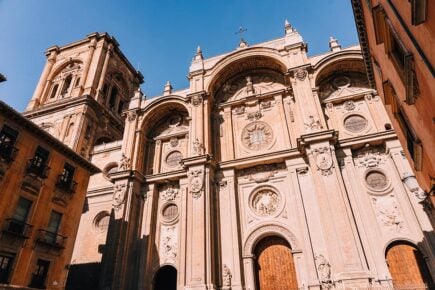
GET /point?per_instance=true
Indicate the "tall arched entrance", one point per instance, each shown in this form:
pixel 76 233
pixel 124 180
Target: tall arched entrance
pixel 275 268
pixel 166 278
pixel 407 267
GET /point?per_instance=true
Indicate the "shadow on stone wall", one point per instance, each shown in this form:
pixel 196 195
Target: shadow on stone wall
pixel 83 276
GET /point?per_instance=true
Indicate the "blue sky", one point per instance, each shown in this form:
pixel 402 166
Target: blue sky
pixel 160 37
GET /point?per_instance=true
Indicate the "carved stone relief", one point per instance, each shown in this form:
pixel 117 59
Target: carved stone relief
pixel 197 148
pixel 254 116
pixel 313 124
pixel 168 244
pixel 169 192
pixel 324 271
pixel 226 276
pixel 265 202
pixel 257 136
pixel 119 195
pixel 124 163
pixel 370 157
pixel 349 105
pixel 388 213
pixel 174 142
pixel 131 116
pixel 301 74
pixel 323 159
pixel 196 182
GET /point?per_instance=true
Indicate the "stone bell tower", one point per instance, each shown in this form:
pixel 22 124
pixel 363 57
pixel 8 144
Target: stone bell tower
pixel 83 89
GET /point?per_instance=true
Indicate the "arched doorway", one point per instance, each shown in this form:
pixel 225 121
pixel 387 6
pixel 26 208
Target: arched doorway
pixel 166 278
pixel 275 268
pixel 407 267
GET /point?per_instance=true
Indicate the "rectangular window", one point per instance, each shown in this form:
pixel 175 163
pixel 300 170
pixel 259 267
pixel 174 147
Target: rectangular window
pixel 67 174
pixel 403 62
pixel 18 222
pixel 38 163
pixel 40 274
pixel 413 143
pixel 8 137
pixel 390 97
pixel 418 11
pixel 53 227
pixel 379 18
pixel 6 261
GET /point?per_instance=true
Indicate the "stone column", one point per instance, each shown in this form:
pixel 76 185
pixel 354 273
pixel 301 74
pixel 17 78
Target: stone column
pixel 92 46
pixel 199 240
pixel 231 263
pixel 37 95
pixel 103 72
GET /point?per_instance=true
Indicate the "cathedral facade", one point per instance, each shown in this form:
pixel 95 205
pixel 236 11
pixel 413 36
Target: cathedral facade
pixel 272 170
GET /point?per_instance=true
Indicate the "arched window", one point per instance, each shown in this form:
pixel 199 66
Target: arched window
pixel 105 90
pixel 66 85
pixel 112 100
pixel 69 131
pixel 120 107
pixel 54 91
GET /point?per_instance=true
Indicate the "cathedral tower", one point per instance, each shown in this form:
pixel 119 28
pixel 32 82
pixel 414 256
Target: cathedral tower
pixel 82 91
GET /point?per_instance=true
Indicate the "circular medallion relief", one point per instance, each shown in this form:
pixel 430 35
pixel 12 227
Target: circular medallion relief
pixel 355 123
pixel 265 202
pixel 174 158
pixel 257 136
pixel 376 180
pixel 170 212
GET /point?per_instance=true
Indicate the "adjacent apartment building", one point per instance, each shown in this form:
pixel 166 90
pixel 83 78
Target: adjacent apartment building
pixel 397 40
pixel 42 193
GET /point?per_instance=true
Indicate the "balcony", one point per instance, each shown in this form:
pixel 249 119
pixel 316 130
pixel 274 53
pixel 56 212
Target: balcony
pixel 66 185
pixel 7 152
pixel 17 229
pixel 37 168
pixel 50 240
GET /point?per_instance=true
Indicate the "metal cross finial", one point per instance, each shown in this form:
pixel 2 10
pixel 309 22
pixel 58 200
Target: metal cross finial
pixel 241 31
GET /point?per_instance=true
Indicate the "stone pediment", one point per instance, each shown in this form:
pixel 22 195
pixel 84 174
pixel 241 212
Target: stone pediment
pixel 251 84
pixel 339 87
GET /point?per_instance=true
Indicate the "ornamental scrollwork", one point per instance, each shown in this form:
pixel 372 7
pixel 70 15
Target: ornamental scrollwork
pixel 323 159
pixel 196 182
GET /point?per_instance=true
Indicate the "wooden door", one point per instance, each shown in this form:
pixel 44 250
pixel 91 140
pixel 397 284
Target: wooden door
pixel 275 266
pixel 407 267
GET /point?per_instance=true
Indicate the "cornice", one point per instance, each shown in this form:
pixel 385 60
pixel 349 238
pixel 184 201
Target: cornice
pixel 41 134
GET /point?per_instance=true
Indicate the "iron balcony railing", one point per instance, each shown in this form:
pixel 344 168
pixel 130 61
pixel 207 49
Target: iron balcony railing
pixel 8 152
pixel 17 228
pixel 51 239
pixel 66 185
pixel 35 167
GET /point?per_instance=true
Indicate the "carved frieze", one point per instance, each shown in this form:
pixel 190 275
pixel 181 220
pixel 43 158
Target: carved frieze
pixel 349 105
pixel 262 172
pixel 266 104
pixel 239 110
pixel 196 182
pixel 370 157
pixel 254 116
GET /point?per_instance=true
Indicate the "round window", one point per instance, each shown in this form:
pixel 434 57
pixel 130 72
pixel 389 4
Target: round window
pixel 376 180
pixel 174 158
pixel 355 123
pixel 170 212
